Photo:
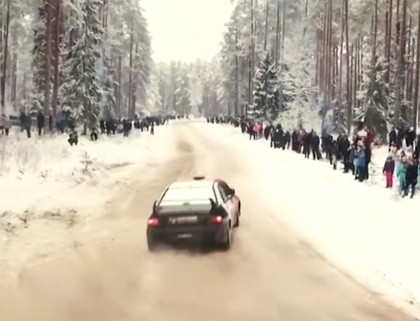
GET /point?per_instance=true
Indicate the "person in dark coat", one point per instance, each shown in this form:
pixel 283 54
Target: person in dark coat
pixel 410 137
pixel 295 141
pixel 315 141
pixel 40 120
pixel 102 126
pixel 368 156
pixel 411 176
pixel 73 138
pixel 50 123
pixel 251 132
pixel 352 157
pixel 334 154
pixel 306 144
pixel 267 130
pixel 392 138
pixel 417 148
pixel 400 137
pixel 94 134
pixel 286 139
pixel 26 123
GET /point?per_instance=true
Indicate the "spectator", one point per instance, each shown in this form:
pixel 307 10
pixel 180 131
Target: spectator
pixel 392 138
pixel 40 119
pixel 411 176
pixel 401 175
pixel 388 171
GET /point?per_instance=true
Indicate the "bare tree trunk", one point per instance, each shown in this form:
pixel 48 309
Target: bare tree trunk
pixel 402 63
pixel 134 89
pixel 236 75
pixel 278 35
pixel 119 85
pixel 409 70
pixel 266 26
pixel 348 85
pixel 317 55
pixel 47 93
pixel 388 39
pixel 5 54
pixel 25 80
pixel 13 93
pixel 415 120
pixel 56 60
pixel 340 81
pixel 252 71
pixel 130 74
pixel 283 29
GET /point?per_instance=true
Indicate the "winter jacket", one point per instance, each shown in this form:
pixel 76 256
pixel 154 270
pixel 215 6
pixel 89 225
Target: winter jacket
pixel 400 173
pixel 368 153
pixel 315 141
pixel 418 175
pixel 361 158
pixel 352 155
pixel 389 166
pixel 40 120
pixel 392 137
pixel 411 174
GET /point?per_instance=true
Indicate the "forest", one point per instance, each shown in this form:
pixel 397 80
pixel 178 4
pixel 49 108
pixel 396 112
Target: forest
pixel 343 62
pixel 339 62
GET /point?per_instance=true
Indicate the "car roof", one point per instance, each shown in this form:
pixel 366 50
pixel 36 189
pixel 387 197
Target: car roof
pixel 192 184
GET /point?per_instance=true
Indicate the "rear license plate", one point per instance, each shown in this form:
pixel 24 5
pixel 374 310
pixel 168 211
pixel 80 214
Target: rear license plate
pixel 183 220
pixel 184 236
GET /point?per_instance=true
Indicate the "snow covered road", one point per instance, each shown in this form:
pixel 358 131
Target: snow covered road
pixel 104 272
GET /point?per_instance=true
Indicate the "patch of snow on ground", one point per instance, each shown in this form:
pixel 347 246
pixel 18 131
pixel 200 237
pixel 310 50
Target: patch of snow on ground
pixel 363 228
pixel 46 173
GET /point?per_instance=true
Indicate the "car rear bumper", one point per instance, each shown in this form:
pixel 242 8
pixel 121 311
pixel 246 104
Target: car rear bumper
pixel 215 234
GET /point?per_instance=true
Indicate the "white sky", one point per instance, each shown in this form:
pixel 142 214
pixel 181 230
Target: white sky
pixel 186 29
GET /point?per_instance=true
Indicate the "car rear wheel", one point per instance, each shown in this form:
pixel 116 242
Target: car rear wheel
pixel 238 215
pixel 228 239
pixel 151 243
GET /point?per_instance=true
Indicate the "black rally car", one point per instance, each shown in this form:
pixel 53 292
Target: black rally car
pixel 199 211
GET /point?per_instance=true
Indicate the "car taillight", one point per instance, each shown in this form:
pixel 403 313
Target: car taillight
pixel 216 219
pixel 153 222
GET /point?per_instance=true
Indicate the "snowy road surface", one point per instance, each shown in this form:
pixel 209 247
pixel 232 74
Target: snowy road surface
pixel 106 272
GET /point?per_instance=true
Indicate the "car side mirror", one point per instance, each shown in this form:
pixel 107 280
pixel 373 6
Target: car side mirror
pixel 232 191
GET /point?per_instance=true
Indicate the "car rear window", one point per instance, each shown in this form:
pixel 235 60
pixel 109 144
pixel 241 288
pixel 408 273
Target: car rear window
pixel 194 195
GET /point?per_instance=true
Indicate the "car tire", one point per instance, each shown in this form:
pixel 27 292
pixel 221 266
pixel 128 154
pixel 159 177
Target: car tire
pixel 228 242
pixel 238 215
pixel 151 243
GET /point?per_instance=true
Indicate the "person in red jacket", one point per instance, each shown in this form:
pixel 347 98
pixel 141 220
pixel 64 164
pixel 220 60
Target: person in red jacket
pixel 369 138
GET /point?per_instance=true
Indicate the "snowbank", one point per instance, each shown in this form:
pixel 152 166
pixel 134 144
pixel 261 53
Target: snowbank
pixel 361 227
pixel 43 174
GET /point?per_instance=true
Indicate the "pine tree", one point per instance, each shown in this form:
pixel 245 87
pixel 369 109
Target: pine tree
pixel 81 91
pixel 266 91
pixel 106 76
pixel 374 109
pixel 39 64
